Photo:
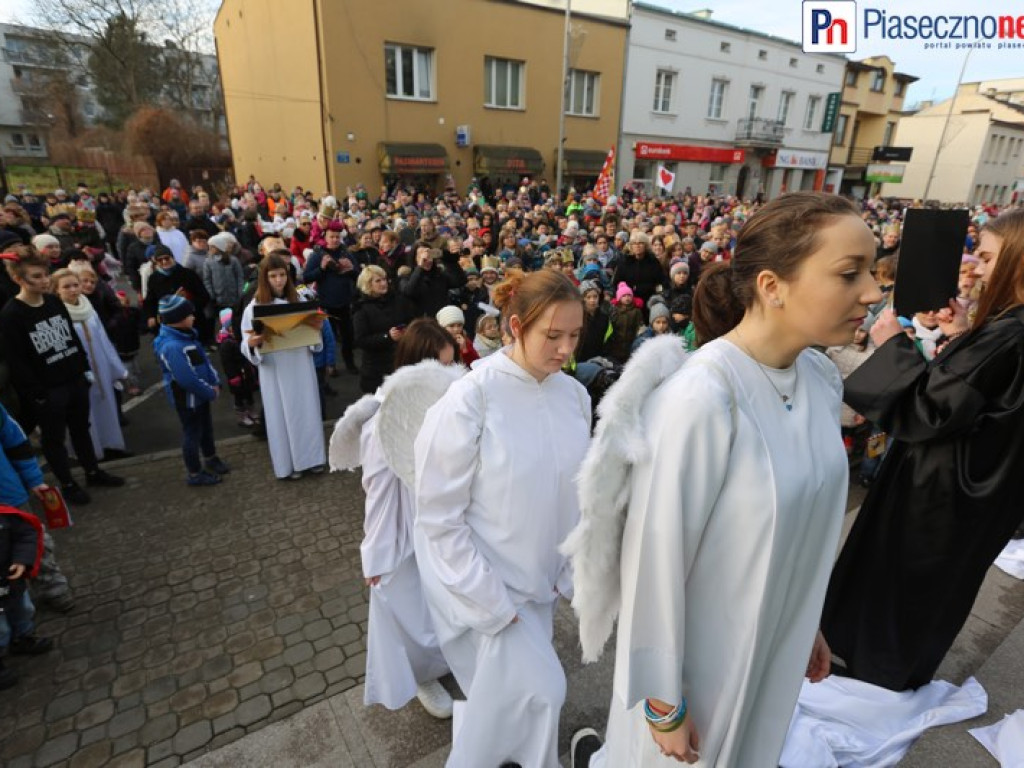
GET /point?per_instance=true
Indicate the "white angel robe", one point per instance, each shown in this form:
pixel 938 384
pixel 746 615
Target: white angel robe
pixel 732 529
pixel 106 365
pixel 496 460
pixel 401 646
pixel 291 403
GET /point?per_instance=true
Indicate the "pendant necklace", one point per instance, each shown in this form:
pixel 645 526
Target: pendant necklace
pixel 787 401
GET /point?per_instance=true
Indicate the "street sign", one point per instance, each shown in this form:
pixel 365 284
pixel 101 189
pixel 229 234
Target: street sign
pixel 343 157
pixel 828 121
pixel 892 153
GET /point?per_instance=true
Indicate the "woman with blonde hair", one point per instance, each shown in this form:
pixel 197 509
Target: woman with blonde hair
pixel 378 322
pixel 496 461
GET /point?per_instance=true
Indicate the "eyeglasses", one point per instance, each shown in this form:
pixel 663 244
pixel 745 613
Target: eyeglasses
pixel 163 259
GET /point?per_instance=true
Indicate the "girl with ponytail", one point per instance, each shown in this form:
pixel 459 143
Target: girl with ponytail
pixel 717 555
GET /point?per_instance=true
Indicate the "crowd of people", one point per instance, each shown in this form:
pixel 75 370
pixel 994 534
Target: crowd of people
pixel 722 331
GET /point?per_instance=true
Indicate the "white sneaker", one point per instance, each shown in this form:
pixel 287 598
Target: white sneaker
pixel 435 699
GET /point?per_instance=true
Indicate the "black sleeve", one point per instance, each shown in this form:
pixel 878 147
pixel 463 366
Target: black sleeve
pixel 17 350
pixel 24 541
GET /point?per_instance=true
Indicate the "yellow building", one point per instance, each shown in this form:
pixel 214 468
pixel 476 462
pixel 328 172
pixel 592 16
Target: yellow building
pixel 329 94
pixel 872 101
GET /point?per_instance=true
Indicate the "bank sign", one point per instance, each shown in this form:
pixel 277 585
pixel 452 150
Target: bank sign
pixel 835 26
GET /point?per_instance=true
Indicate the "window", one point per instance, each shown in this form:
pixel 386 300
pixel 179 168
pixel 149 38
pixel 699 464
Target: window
pixel 820 69
pixel 18 139
pixel 1016 147
pixel 33 141
pixel 900 88
pixel 581 93
pixel 718 173
pixel 670 34
pixel 841 123
pixel 503 83
pixel 890 129
pixel 784 104
pixel 409 72
pixel 813 102
pixel 851 78
pixel 716 99
pixel 878 81
pixel 725 47
pixel 762 55
pixel 664 84
pixel 754 107
pixel 793 63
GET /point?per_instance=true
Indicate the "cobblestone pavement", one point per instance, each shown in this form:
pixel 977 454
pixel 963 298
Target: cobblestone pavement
pixel 202 614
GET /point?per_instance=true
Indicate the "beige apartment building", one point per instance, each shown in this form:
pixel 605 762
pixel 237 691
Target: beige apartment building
pixel 327 94
pixel 872 102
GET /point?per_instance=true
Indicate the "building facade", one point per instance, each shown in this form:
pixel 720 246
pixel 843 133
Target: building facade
pixel 723 108
pixel 872 104
pixel 39 80
pixel 419 93
pixel 981 158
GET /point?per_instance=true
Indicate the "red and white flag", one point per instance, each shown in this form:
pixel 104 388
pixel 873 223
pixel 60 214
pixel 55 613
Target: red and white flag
pixel 606 181
pixel 665 178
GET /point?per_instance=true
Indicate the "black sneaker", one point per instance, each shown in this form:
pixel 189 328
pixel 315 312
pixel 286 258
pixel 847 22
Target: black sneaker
pixel 103 479
pixel 63 603
pixel 8 677
pixel 585 742
pixel 217 466
pixel 31 645
pixel 73 493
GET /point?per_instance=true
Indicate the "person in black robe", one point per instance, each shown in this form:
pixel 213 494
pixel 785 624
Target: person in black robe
pixel 947 497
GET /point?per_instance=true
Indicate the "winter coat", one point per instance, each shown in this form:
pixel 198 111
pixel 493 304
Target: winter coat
pixel 372 320
pixel 642 275
pixel 189 379
pixel 134 258
pixel 597 329
pixel 19 469
pixel 335 288
pixel 427 289
pixel 626 323
pixel 21 541
pixel 224 282
pixel 124 330
pixel 177 279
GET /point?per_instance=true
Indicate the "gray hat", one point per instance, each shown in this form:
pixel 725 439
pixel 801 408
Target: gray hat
pixel 710 247
pixel 659 309
pixel 224 242
pixel 589 285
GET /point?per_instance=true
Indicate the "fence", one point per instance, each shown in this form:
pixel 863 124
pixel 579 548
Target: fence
pixel 102 169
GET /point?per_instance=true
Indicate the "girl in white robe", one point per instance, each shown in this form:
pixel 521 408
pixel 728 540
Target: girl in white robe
pixel 403 658
pixel 733 502
pixel 288 385
pixel 496 461
pixel 104 362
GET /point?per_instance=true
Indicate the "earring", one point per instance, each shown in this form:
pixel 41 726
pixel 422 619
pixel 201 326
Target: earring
pixel 776 302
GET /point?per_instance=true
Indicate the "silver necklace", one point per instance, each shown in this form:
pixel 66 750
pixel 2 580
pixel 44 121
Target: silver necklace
pixel 787 401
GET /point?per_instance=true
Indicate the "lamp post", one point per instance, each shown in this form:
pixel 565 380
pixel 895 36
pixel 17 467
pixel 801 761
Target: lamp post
pixel 561 101
pixel 945 127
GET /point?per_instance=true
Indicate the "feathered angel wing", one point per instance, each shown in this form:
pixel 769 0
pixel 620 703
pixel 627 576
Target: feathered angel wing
pixel 406 396
pixel 595 545
pixel 343 451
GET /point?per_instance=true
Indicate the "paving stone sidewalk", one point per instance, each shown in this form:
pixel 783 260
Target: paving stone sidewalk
pixel 202 614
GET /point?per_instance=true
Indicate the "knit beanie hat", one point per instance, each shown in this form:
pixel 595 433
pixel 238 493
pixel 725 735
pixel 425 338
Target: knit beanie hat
pixel 589 285
pixel 448 315
pixel 659 309
pixel 623 290
pixel 158 249
pixel 710 247
pixel 138 226
pixel 174 308
pixel 678 265
pixel 44 241
pixel 224 242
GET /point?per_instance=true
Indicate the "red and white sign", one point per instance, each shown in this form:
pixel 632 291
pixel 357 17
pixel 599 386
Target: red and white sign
pixel 686 153
pixel 665 178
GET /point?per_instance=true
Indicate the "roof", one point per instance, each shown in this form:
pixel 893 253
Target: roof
pixel 684 16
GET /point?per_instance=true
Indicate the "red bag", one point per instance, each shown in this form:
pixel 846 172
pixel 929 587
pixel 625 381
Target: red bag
pixel 57 514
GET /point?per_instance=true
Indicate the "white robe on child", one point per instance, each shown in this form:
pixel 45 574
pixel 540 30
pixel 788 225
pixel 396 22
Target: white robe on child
pixel 401 646
pixel 106 365
pixel 496 461
pixel 291 403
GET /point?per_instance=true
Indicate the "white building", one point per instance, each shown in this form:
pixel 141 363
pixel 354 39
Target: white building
pixel 724 108
pixel 981 160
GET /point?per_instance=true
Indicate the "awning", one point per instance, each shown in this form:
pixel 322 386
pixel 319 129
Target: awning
pixel 412 158
pixel 582 162
pixel 489 160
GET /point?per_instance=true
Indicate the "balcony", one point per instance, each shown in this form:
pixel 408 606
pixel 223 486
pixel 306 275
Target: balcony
pixel 859 156
pixel 758 132
pixel 32 57
pixel 23 86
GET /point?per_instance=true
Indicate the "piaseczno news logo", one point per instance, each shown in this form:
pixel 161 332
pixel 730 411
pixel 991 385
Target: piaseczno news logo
pixel 829 26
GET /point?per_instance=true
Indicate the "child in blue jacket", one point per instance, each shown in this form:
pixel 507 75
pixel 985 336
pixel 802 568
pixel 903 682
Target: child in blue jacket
pixel 191 384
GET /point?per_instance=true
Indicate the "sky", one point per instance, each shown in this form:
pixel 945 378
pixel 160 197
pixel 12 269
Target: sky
pixel 938 69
